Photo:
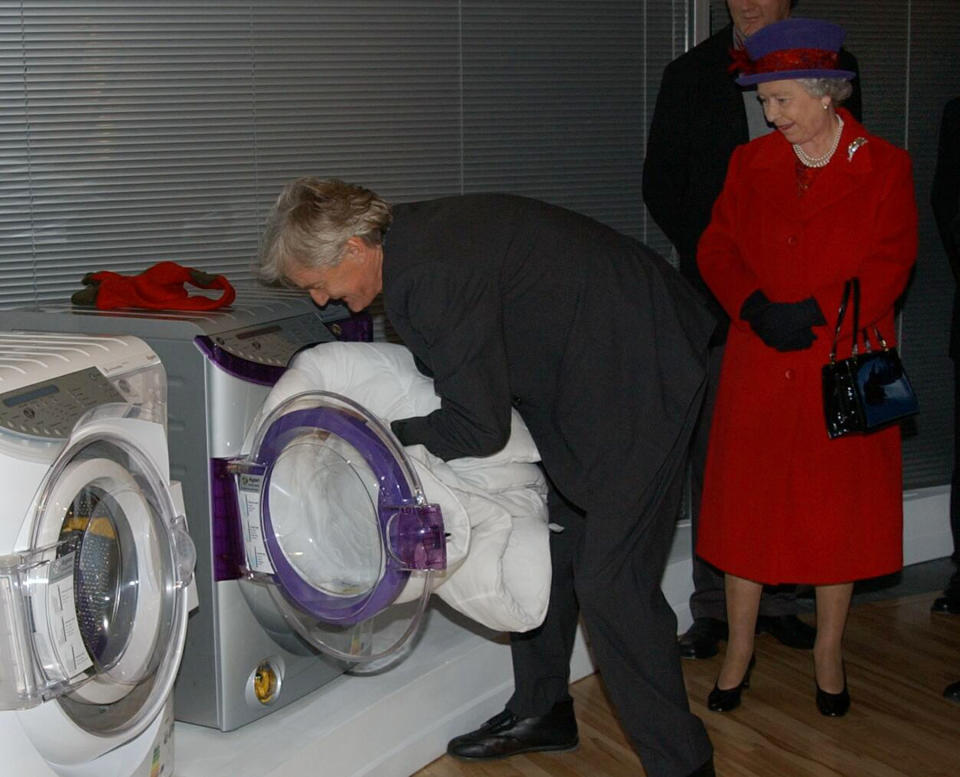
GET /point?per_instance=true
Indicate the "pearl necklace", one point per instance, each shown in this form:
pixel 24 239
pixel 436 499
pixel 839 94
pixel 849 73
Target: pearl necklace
pixel 820 161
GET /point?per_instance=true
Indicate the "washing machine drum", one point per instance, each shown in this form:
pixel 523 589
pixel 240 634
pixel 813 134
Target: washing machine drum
pixel 335 522
pixel 94 614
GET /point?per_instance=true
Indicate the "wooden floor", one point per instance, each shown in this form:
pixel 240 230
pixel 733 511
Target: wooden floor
pixel 899 658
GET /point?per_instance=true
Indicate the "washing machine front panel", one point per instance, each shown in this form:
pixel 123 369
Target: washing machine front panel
pixel 106 572
pixel 211 405
pixel 96 561
pixel 334 522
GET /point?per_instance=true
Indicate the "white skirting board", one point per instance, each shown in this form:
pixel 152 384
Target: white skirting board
pixel 386 725
pixel 395 723
pixel 926 536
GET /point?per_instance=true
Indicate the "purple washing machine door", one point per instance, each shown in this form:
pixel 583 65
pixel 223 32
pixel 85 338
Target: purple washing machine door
pixel 343 517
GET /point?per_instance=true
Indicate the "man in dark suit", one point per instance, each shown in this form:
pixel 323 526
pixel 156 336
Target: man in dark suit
pixel 945 199
pixel 700 116
pixel 602 347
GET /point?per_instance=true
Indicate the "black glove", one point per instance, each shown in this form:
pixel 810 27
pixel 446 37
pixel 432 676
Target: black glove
pixel 785 326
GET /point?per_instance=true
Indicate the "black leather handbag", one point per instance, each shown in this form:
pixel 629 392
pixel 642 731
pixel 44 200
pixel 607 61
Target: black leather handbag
pixel 868 390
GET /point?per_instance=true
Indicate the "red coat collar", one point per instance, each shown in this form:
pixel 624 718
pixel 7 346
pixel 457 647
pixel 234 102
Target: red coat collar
pixel 775 178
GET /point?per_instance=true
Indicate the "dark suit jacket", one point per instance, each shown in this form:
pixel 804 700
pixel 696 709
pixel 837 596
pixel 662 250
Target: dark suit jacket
pixel 945 199
pixel 698 121
pixel 595 339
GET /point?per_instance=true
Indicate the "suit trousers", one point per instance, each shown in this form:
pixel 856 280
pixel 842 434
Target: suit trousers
pixel 953 586
pixel 708 599
pixel 607 567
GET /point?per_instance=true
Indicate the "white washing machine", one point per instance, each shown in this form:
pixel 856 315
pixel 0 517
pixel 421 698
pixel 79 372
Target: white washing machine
pixel 220 366
pixel 96 561
pixel 250 647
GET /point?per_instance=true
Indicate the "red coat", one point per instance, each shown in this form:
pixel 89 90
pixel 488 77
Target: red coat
pixel 782 502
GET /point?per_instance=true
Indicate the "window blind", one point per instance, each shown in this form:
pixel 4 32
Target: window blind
pixel 132 133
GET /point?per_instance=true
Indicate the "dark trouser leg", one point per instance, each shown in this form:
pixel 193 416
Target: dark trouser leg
pixel 706 601
pixel 954 586
pixel 611 564
pixel 632 629
pixel 541 658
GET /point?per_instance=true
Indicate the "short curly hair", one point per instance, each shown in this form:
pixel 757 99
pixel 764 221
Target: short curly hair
pixel 311 222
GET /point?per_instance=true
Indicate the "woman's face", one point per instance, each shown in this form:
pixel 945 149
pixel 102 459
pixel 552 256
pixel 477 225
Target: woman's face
pixel 796 113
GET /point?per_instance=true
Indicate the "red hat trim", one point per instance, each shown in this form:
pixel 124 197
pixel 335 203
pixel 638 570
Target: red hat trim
pixel 783 60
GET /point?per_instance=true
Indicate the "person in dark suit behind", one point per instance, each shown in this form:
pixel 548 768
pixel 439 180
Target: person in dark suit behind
pixel 602 347
pixel 945 199
pixel 701 116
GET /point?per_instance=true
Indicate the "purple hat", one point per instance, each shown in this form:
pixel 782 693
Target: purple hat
pixel 793 48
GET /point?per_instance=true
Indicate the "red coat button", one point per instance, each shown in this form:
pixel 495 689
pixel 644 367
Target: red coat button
pixel 788 374
pixel 792 240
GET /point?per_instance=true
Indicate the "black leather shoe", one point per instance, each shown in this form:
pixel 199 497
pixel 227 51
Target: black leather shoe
pixel 833 705
pixel 788 629
pixel 506 734
pixel 952 692
pixel 704 771
pixel 949 604
pixel 726 699
pixel 702 638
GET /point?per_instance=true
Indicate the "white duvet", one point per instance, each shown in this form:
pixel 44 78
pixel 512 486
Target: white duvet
pixel 494 507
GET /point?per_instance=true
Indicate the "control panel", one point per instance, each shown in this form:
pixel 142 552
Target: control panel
pixel 51 409
pixel 275 343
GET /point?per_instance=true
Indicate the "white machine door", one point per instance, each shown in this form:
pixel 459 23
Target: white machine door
pixel 93 614
pixel 336 525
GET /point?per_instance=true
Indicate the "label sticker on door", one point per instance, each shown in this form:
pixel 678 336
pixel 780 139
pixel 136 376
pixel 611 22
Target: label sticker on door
pixel 62 624
pixel 255 548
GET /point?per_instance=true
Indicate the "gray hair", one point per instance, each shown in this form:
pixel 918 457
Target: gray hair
pixel 837 89
pixel 311 222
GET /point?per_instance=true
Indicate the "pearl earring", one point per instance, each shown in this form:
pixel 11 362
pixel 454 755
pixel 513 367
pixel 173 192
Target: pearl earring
pixel 826 105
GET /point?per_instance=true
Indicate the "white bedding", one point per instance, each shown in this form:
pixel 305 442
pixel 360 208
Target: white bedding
pixel 494 508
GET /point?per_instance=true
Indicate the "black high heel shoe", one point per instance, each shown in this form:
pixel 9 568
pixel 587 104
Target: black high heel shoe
pixel 726 699
pixel 833 705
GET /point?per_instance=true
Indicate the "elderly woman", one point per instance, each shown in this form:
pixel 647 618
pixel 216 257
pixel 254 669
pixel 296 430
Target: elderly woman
pixel 802 210
pixel 601 347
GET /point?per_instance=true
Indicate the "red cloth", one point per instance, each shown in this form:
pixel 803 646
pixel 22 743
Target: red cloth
pixel 160 287
pixel 782 503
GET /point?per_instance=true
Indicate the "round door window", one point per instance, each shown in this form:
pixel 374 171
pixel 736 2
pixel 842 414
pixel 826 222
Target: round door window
pixel 344 523
pixel 323 504
pixel 96 535
pixel 111 624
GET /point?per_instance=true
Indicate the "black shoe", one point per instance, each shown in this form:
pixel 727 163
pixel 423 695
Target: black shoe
pixel 506 734
pixel 788 629
pixel 726 699
pixel 702 638
pixel 704 771
pixel 949 604
pixel 833 705
pixel 952 692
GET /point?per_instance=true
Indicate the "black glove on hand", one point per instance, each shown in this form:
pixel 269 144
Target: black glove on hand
pixel 785 326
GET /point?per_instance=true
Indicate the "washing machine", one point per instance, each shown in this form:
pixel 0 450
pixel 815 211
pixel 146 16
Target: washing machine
pixel 329 530
pixel 95 559
pixel 241 661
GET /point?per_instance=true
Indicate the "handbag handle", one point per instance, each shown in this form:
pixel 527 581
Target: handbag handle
pixel 852 284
